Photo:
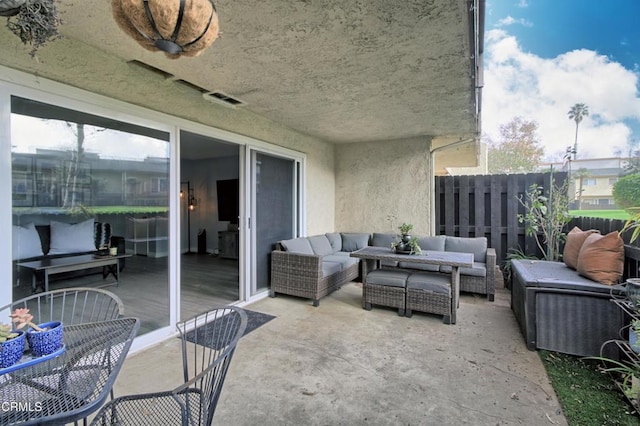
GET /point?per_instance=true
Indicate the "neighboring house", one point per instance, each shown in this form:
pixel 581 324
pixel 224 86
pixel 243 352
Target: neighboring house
pixel 592 181
pixel 348 110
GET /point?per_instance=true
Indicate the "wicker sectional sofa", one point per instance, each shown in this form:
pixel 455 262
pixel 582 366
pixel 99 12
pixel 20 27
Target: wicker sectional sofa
pixel 312 267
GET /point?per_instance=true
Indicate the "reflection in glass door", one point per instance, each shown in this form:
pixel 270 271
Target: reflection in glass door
pixel 273 211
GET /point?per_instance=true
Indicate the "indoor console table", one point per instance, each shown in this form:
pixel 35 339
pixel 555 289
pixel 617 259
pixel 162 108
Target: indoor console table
pixel 73 263
pixel 74 384
pixel 455 260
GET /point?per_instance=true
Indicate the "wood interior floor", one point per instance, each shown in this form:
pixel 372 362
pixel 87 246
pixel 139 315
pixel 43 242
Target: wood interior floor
pixel 207 281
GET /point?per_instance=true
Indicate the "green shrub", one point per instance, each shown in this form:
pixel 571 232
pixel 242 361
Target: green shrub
pixel 626 191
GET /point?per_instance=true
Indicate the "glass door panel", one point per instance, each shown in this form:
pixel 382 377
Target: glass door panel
pixel 273 211
pixel 82 182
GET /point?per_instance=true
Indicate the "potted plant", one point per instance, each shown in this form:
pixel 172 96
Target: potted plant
pixel 11 345
pixel 44 338
pixel 405 230
pixel 626 376
pixel 414 247
pixel 634 333
pixel 34 21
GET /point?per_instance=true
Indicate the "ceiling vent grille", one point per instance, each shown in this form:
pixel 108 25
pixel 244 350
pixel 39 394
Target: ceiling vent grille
pixel 157 71
pixel 223 99
pixel 216 96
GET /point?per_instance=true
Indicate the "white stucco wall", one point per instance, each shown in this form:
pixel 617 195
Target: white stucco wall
pixel 379 185
pixel 79 65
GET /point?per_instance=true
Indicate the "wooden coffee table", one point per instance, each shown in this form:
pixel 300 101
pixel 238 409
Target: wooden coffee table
pixel 73 263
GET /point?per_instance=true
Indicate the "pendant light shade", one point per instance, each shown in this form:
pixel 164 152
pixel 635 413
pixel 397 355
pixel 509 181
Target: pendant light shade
pixel 176 27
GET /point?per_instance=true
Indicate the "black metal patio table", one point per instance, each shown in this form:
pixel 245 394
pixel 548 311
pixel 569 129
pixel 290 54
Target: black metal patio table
pixel 72 385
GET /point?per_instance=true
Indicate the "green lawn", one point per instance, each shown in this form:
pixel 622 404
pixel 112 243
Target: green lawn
pixel 587 395
pixel 607 214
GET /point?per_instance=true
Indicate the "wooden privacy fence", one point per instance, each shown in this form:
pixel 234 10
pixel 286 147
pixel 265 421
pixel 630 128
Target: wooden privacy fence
pixel 488 206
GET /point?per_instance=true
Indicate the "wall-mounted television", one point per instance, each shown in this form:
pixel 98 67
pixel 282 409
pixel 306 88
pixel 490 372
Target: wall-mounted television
pixel 228 200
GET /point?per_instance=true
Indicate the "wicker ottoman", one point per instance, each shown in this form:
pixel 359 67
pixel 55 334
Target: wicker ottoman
pixel 385 287
pixel 430 292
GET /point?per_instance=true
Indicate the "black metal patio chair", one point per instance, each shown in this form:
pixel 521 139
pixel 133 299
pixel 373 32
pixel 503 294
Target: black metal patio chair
pixel 207 350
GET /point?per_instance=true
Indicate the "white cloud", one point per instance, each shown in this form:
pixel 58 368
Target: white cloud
pixel 517 83
pixel 510 20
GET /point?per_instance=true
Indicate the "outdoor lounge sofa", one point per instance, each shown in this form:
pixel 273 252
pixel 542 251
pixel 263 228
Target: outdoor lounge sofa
pixel 559 309
pixel 312 267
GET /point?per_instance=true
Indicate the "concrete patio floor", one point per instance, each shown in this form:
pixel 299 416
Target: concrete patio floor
pixel 341 365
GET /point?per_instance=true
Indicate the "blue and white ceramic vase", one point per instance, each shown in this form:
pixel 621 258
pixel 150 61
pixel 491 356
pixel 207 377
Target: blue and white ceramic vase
pixel 633 340
pixel 632 289
pixel 11 350
pixel 47 341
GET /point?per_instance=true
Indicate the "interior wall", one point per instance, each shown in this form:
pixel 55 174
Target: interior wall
pixel 203 175
pixel 79 65
pixel 379 185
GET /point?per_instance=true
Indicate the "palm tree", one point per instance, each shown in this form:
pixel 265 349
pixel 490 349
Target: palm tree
pixel 576 113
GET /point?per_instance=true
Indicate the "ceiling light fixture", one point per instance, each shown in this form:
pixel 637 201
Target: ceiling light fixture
pixel 176 27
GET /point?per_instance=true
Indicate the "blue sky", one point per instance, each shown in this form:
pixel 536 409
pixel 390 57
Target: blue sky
pixel 543 56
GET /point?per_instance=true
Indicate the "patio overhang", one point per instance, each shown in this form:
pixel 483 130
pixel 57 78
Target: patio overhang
pixel 338 71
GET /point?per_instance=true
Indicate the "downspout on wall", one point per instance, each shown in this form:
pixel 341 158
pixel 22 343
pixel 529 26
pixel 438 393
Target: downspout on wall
pixel 432 159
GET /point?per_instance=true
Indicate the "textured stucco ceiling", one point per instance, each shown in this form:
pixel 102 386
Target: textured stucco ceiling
pixel 340 70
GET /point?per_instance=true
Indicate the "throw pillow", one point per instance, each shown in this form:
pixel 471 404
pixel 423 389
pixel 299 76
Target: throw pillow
pixel 67 238
pixel 25 242
pixel 297 245
pixel 335 239
pixel 601 258
pixel 384 239
pixel 575 240
pixel 102 234
pixel 477 246
pixel 320 245
pixel 353 242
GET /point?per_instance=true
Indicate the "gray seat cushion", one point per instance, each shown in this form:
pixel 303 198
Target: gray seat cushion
pixel 320 245
pixel 345 261
pixel 355 241
pixel 476 246
pixel 297 245
pixel 387 277
pixel 430 281
pixel 478 270
pixel 330 268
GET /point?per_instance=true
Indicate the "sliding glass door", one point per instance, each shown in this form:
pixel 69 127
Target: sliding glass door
pixel 274 212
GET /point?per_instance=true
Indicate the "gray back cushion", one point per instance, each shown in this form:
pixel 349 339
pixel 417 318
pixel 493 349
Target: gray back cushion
pixel 297 245
pixel 435 243
pixel 384 240
pixel 477 246
pixel 335 239
pixel 320 245
pixel 355 241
